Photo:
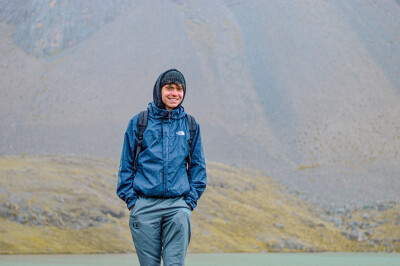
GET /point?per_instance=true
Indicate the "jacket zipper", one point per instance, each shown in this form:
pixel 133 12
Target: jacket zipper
pixel 166 156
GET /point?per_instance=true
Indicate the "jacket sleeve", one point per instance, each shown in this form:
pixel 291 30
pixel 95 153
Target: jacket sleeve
pixel 126 172
pixel 198 180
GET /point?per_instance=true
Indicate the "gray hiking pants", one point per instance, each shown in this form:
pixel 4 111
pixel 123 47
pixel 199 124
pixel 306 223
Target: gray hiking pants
pixel 160 227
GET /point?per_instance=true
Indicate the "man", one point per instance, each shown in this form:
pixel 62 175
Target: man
pixel 159 194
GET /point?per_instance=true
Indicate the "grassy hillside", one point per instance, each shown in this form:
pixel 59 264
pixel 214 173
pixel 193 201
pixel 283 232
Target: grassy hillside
pixel 54 204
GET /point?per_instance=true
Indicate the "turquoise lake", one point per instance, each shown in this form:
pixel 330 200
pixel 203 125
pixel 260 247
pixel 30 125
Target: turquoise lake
pixel 298 259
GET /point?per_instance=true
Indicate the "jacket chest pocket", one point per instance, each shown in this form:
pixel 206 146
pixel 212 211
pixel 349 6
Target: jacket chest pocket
pixel 150 138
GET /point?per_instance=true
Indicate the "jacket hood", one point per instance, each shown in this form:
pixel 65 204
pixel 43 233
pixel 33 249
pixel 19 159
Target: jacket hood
pixel 157 90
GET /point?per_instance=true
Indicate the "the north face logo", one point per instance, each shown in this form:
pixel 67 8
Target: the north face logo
pixel 180 133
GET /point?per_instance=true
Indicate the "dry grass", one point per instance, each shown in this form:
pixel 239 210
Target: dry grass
pixel 56 204
pixel 305 167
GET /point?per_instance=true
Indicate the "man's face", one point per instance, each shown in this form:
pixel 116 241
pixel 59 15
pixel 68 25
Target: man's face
pixel 171 95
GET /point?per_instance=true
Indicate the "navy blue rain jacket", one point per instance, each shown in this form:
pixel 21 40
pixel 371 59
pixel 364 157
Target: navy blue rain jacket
pixel 161 166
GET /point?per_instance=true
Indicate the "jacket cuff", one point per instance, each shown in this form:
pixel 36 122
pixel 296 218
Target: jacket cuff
pixel 192 203
pixel 131 203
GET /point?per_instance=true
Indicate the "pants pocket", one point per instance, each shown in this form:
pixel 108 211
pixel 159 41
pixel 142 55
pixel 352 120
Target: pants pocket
pixel 135 207
pixel 184 204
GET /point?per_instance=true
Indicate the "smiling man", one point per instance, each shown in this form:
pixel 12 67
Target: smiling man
pixel 172 95
pixel 162 174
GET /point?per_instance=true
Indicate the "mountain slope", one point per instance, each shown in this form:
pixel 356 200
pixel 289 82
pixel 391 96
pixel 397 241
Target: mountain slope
pixel 307 91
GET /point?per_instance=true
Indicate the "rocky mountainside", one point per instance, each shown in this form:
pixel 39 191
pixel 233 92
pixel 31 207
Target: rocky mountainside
pixel 306 91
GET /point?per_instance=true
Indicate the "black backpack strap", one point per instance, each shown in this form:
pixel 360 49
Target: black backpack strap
pixel 192 130
pixel 142 124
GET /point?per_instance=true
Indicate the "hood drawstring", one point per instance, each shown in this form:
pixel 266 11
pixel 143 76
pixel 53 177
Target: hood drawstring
pixel 168 115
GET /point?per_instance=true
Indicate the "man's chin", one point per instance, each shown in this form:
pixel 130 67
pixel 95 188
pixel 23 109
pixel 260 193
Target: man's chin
pixel 173 105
